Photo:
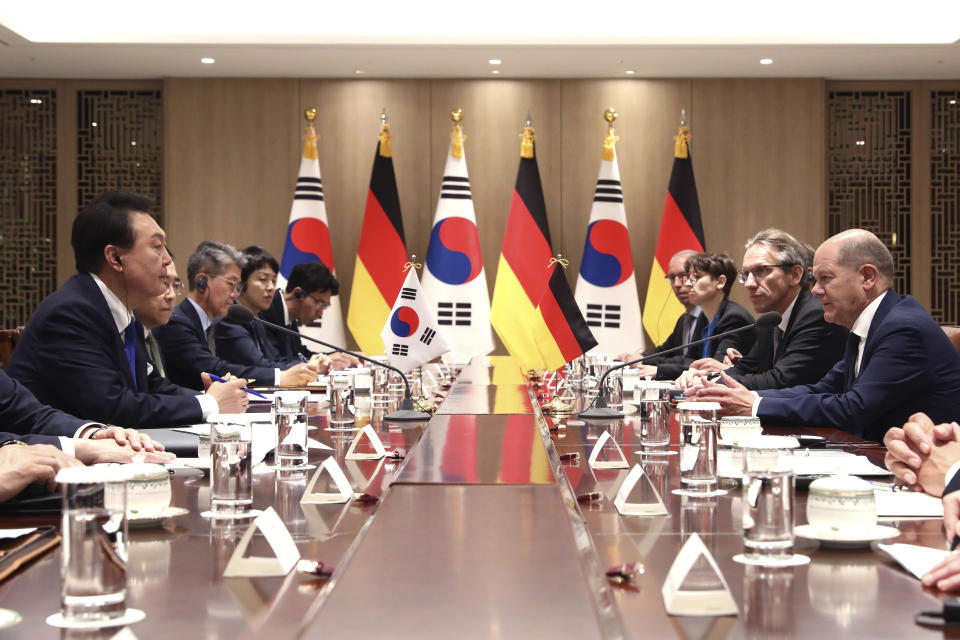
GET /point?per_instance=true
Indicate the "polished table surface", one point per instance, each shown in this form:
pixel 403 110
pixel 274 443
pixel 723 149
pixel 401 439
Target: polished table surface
pixel 478 534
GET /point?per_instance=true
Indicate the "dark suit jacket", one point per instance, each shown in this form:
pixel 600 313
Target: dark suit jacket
pixel 249 344
pixel 953 485
pixel 286 345
pixel 730 315
pixel 24 418
pixel 71 357
pixel 908 365
pixel 186 354
pixel 809 348
pixel 676 339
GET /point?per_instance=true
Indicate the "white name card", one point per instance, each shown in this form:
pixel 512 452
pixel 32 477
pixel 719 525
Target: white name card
pixel 379 451
pixel 281 543
pixel 711 602
pixel 647 508
pixel 343 493
pixel 619 463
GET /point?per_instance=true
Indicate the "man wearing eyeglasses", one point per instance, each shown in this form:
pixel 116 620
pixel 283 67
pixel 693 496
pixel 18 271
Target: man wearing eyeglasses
pixel 188 342
pixel 688 328
pixel 156 312
pixel 83 350
pixel 303 301
pixel 804 346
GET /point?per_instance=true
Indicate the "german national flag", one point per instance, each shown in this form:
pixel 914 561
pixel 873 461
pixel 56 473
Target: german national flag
pixel 559 329
pixel 378 273
pixel 680 228
pixel 522 272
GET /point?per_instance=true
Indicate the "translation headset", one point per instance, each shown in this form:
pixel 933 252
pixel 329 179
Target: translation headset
pixel 299 294
pixel 201 283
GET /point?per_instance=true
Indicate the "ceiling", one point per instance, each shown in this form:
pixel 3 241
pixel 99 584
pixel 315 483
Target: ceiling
pixel 904 43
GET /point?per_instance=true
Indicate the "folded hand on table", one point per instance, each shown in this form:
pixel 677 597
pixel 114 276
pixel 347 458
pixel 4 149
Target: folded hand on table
pixel 21 466
pixel 109 450
pixel 734 398
pixel 137 440
pixel 920 453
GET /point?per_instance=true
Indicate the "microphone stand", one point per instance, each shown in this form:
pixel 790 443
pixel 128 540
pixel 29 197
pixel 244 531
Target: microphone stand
pixel 406 412
pixel 598 408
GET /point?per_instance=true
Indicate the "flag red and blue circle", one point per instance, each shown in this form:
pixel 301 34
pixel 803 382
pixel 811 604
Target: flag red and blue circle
pixel 404 322
pixel 607 261
pixel 453 256
pixel 308 240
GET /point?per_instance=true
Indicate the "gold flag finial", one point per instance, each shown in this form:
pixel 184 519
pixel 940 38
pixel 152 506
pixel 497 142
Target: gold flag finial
pixel 457 137
pixel 310 114
pixel 527 138
pixel 608 143
pixel 385 148
pixel 412 263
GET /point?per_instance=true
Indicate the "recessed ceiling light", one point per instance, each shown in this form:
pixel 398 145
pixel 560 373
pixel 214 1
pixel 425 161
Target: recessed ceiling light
pixel 495 61
pixel 36 101
pixel 953 102
pixel 93 124
pixel 133 143
pixel 359 72
pixel 207 60
pixel 766 60
pixel 495 71
pixel 861 143
pixel 630 72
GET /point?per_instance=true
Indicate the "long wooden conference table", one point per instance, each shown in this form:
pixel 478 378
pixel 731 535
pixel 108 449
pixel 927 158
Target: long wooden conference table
pixel 478 534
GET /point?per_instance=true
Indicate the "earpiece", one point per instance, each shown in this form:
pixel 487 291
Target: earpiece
pixel 298 294
pixel 201 283
pixel 118 260
pixel 243 286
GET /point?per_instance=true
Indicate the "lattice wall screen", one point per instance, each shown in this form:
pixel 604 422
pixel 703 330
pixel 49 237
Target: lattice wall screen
pixel 869 157
pixel 945 206
pixel 28 202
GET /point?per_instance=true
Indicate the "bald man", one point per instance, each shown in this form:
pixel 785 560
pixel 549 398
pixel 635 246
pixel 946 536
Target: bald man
pixel 897 361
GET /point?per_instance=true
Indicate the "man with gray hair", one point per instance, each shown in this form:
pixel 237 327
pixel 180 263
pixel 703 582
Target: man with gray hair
pixel 897 360
pixel 804 346
pixel 187 341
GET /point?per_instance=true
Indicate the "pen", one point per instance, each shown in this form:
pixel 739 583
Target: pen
pixel 250 391
pixel 884 486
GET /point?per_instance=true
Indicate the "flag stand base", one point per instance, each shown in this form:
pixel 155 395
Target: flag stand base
pixel 601 413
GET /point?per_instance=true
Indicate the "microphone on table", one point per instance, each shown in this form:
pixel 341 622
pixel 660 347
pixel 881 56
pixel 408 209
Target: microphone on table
pixel 599 408
pixel 240 314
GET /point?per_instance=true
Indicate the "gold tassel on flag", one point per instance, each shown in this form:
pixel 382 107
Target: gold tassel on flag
pixel 386 150
pixel 456 147
pixel 526 142
pixel 682 139
pixel 609 115
pixel 310 146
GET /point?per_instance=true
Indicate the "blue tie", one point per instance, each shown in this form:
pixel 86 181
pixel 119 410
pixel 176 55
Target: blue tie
pixel 130 346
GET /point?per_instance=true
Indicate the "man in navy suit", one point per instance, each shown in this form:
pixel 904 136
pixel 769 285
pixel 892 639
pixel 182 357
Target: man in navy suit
pixel 188 341
pixel 248 343
pixel 897 360
pixel 804 346
pixel 82 350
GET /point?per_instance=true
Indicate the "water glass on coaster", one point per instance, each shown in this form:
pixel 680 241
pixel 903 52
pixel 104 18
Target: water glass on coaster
pixel 698 449
pixel 231 490
pixel 654 398
pixel 93 557
pixel 614 389
pixel 768 502
pixel 379 384
pixel 342 411
pixel 290 419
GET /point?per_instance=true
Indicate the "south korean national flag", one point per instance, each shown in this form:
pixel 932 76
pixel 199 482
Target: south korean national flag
pixel 412 336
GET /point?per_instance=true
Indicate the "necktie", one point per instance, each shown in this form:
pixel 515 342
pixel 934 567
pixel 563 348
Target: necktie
pixel 850 358
pixel 777 337
pixel 153 348
pixel 211 340
pixel 688 322
pixel 130 347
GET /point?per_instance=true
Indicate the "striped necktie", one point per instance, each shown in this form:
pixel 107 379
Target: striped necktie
pixel 211 340
pixel 153 348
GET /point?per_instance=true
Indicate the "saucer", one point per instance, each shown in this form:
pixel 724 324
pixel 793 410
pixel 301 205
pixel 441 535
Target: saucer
pixel 8 618
pixel 848 539
pixel 203 464
pixel 130 616
pixel 154 519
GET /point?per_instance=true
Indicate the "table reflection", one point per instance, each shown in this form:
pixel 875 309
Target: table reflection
pixel 768 601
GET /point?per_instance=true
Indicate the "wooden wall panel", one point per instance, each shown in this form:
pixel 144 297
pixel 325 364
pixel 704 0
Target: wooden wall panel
pixel 230 161
pixel 759 157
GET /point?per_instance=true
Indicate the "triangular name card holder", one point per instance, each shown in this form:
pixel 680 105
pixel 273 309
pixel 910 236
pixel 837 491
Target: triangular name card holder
pixel 607 454
pixel 375 442
pixel 281 543
pixel 344 491
pixel 703 592
pixel 638 497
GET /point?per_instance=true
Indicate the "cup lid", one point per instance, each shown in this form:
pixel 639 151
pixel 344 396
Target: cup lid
pixel 841 483
pixel 768 442
pixel 699 406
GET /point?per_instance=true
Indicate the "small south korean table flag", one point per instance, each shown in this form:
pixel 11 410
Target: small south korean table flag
pixel 411 335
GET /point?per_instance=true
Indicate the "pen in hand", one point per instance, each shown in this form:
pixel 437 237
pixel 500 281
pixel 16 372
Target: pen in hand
pixel 250 391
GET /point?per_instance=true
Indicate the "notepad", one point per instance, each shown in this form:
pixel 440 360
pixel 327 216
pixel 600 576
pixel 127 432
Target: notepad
pixel 914 558
pixel 907 504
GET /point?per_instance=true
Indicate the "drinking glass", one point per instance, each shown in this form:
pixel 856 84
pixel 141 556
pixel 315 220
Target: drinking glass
pixel 614 389
pixel 93 559
pixel 379 385
pixel 768 499
pixel 231 491
pixel 698 446
pixel 655 413
pixel 290 419
pixel 342 412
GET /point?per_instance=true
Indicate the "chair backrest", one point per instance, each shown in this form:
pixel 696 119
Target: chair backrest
pixel 8 340
pixel 953 333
